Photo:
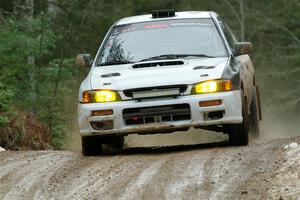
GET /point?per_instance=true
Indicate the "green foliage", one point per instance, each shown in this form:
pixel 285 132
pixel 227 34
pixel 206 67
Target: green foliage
pixel 25 37
pixel 18 40
pixel 5 99
pixel 58 91
pixel 19 81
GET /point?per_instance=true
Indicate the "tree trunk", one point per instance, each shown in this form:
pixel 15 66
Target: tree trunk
pixel 239 16
pixel 53 8
pixel 28 9
pixel 29 13
pixel 242 13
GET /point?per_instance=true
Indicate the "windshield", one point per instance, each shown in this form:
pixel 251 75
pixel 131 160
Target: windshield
pixel 167 39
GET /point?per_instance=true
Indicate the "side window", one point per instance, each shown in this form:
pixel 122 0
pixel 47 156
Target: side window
pixel 231 39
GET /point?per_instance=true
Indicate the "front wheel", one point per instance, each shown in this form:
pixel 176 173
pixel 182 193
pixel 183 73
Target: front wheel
pixel 238 133
pixel 91 145
pixel 95 145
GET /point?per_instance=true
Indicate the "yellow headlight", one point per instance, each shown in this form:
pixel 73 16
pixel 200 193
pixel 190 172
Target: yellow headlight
pixel 100 96
pixel 105 96
pixel 207 87
pixel 212 86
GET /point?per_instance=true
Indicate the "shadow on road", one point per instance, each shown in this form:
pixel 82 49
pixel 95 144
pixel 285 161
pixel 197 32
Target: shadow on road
pixel 168 149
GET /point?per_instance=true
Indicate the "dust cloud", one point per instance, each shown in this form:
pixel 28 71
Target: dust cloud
pixel 272 127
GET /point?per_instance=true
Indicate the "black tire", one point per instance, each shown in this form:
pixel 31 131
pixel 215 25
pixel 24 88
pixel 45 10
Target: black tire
pixel 239 133
pixel 254 115
pixel 91 146
pixel 94 145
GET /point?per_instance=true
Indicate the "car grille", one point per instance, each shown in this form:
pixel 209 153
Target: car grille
pixel 146 115
pixel 129 92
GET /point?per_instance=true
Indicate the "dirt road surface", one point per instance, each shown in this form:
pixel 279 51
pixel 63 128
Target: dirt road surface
pixel 262 170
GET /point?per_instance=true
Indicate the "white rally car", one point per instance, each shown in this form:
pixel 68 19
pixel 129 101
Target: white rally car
pixel 167 72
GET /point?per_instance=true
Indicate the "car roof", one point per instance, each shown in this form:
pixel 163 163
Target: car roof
pixel 178 15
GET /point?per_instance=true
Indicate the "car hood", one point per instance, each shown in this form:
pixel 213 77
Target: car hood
pixel 121 77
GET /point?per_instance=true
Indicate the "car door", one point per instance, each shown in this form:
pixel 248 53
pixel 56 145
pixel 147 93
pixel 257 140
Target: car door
pixel 247 70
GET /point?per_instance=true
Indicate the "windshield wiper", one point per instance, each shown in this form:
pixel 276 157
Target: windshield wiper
pixel 195 55
pixel 116 62
pixel 175 56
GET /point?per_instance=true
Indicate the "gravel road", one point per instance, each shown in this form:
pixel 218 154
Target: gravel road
pixel 262 170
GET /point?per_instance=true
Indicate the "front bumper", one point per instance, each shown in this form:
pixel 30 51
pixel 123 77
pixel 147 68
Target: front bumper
pixel 231 105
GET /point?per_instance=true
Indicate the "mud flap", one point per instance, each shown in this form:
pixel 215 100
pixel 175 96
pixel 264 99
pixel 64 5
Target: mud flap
pixel 258 101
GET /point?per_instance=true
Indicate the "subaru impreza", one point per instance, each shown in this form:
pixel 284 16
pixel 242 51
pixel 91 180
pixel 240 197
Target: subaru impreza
pixel 164 72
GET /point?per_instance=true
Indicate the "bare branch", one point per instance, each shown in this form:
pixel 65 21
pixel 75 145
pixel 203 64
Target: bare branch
pixel 86 12
pixel 10 49
pixel 242 13
pixel 241 18
pixel 234 12
pixel 283 73
pixel 291 104
pixel 295 38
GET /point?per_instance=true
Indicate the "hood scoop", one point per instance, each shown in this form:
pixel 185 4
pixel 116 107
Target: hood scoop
pixel 157 64
pixel 204 67
pixel 110 75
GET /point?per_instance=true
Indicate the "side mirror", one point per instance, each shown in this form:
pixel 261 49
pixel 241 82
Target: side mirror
pixel 242 48
pixel 84 60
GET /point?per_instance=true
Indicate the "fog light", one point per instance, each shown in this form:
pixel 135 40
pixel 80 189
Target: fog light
pixel 102 112
pixel 103 125
pixel 210 103
pixel 214 115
